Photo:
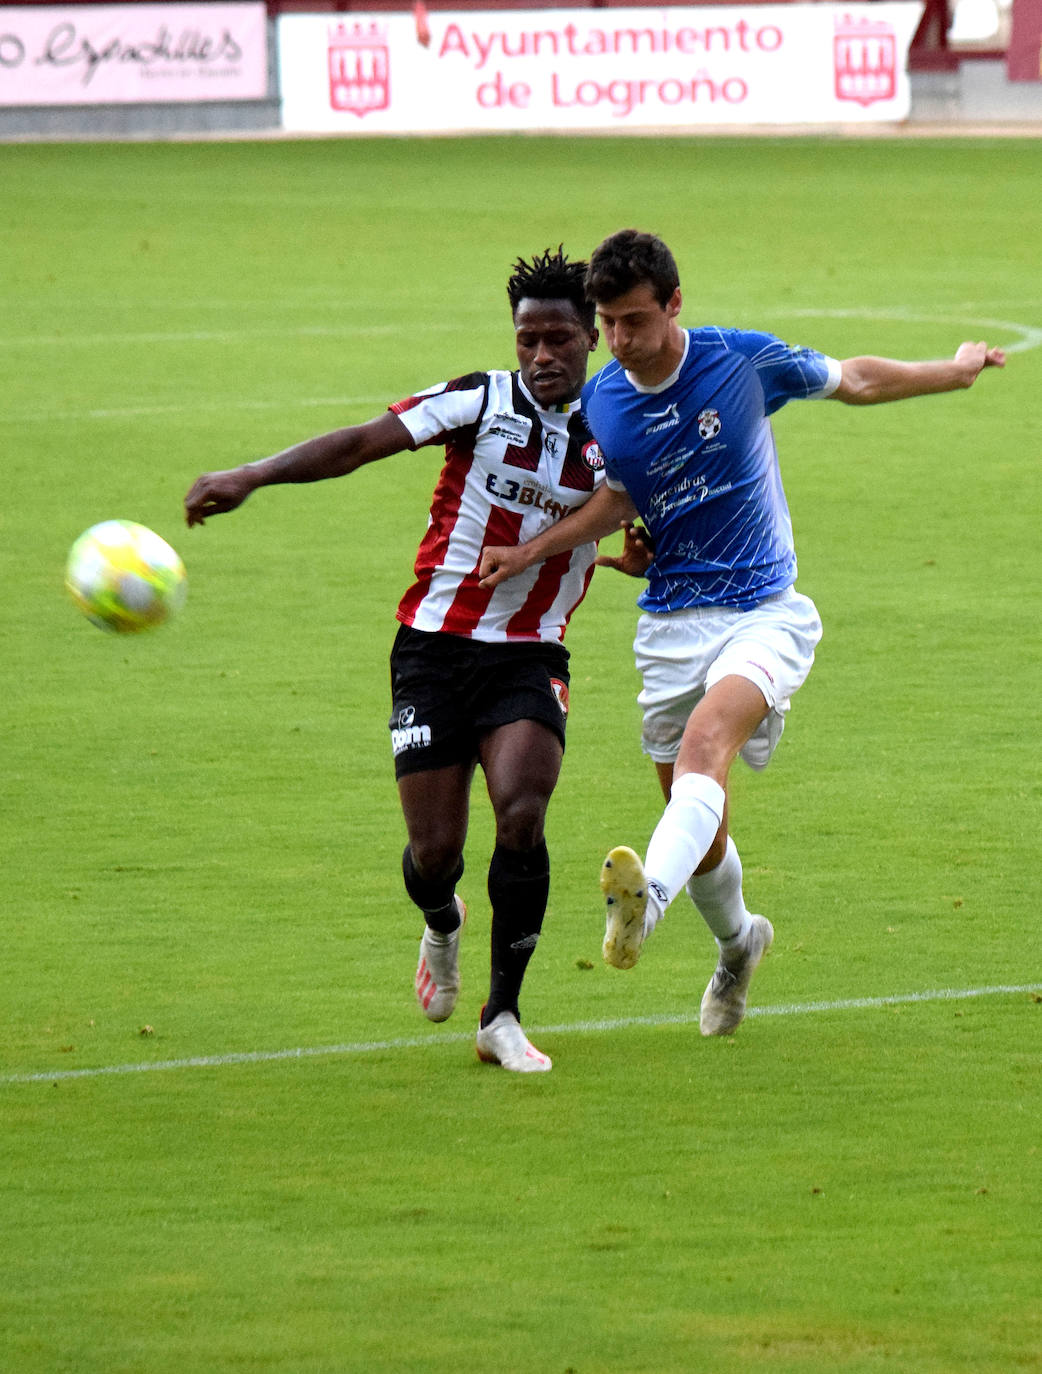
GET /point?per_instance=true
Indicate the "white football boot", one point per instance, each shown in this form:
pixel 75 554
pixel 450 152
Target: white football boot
pixel 503 1042
pixel 437 974
pixel 723 1002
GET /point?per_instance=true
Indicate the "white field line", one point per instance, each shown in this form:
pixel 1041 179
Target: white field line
pixel 217 1061
pixel 157 336
pixel 195 408
pixel 1030 337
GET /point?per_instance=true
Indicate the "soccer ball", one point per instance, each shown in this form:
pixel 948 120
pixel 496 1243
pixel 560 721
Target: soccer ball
pixel 124 577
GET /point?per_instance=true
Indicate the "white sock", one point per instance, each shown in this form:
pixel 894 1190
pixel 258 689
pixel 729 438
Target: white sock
pixel 681 839
pixel 718 897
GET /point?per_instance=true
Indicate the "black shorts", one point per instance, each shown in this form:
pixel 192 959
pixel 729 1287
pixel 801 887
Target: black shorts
pixel 448 691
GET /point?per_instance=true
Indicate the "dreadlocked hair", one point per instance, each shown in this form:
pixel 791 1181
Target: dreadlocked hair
pixel 551 277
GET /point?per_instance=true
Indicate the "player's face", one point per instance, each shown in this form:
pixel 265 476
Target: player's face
pixel 553 349
pixel 637 329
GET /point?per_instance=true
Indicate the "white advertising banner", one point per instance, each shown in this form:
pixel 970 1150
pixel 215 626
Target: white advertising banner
pixel 599 69
pixel 132 54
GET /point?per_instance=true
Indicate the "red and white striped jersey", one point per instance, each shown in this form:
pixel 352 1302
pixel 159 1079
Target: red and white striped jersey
pixel 511 470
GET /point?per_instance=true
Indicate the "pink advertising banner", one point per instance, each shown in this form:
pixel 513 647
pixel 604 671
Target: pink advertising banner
pixel 1024 54
pixel 132 54
pixel 600 68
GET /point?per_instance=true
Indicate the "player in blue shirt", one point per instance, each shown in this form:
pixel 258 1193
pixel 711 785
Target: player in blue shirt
pixel 682 417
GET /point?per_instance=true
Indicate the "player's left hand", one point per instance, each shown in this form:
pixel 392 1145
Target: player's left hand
pixel 637 555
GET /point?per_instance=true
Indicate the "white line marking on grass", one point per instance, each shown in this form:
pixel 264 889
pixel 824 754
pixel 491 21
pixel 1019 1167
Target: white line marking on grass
pixel 302 331
pixel 196 408
pixel 1031 336
pixel 218 1061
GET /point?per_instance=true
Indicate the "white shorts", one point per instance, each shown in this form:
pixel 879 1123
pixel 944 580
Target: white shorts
pixel 680 654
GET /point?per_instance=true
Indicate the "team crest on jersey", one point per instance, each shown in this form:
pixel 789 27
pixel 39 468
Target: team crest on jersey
pixel 560 691
pixel 515 429
pixel 709 423
pixel 592 456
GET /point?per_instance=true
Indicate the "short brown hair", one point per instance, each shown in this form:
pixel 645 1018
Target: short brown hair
pixel 629 258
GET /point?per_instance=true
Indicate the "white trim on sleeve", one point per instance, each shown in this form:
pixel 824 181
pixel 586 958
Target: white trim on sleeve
pixel 834 379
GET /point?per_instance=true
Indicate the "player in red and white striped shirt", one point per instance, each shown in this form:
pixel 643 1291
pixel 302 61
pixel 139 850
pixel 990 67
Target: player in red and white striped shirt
pixel 478 677
pixel 513 467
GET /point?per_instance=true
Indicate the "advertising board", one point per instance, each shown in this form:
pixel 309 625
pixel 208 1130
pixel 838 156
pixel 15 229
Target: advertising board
pixel 140 53
pixel 607 69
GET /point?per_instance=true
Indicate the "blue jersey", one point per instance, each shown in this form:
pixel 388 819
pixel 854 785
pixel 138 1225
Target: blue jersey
pixel 698 459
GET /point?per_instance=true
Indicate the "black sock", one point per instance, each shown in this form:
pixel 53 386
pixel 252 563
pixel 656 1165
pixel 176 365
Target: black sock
pixel 435 897
pixel 518 888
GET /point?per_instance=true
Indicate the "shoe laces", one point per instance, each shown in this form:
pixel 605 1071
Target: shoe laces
pixel 723 979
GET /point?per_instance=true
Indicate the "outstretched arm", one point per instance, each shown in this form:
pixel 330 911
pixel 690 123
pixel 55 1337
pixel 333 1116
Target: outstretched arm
pixel 327 455
pixel 870 381
pixel 603 513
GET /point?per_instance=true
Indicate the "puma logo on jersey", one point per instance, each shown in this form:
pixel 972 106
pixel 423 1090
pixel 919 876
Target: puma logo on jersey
pixel 667 419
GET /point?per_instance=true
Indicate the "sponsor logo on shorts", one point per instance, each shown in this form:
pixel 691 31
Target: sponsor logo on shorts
pixel 761 669
pixel 407 734
pixel 560 691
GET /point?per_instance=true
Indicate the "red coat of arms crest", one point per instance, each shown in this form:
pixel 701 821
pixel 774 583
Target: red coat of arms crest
pixel 865 56
pixel 359 68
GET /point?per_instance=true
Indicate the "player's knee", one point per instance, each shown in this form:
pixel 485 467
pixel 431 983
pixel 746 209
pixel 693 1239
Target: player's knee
pixel 709 746
pixel 520 819
pixel 434 857
pixel 703 751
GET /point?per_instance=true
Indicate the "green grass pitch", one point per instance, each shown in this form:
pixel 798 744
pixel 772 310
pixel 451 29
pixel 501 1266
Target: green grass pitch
pixel 201 841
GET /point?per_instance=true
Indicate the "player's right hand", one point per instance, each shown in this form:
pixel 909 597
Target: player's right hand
pixel 215 493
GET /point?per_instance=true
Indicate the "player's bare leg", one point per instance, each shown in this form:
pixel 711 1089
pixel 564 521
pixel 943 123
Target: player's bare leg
pixel 690 847
pixel 716 884
pixel 690 829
